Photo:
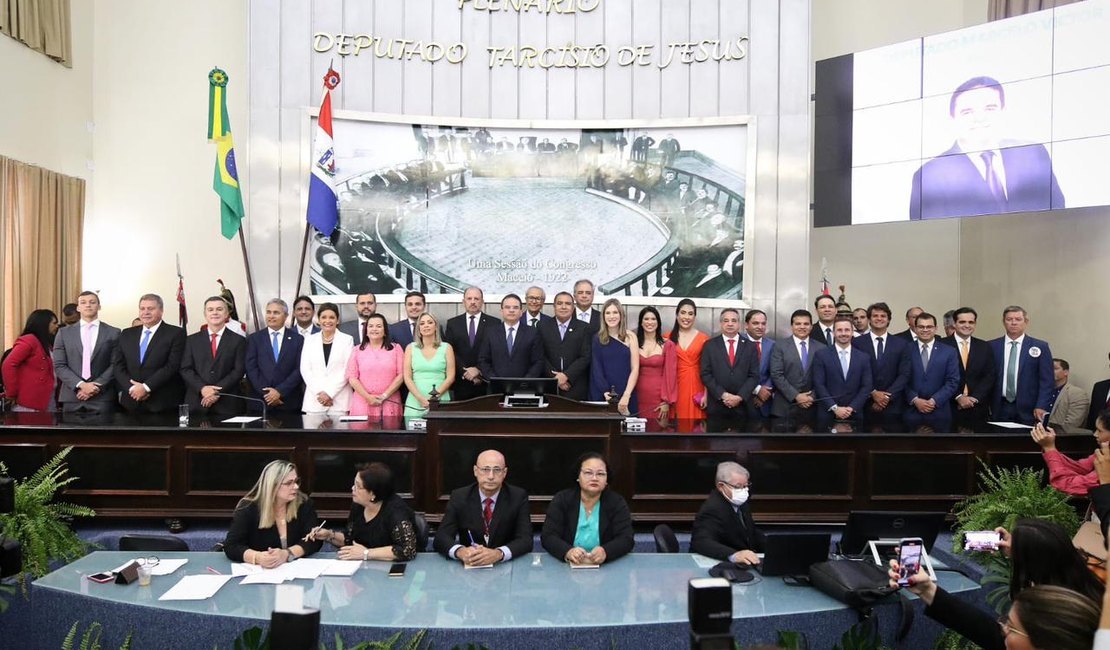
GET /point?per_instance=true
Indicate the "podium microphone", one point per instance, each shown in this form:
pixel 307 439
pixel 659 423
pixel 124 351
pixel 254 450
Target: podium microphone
pixel 247 398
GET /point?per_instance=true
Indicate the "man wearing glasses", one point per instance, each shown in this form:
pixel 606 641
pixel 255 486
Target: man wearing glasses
pixel 723 528
pixel 934 378
pixel 534 298
pixel 488 521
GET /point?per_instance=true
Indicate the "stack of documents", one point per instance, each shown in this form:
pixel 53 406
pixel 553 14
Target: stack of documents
pixel 305 568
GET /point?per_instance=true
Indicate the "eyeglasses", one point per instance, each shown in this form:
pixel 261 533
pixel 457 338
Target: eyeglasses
pixel 533 298
pixel 291 482
pixel 491 471
pixel 736 487
pixel 151 561
pixel 1007 627
pixel 589 473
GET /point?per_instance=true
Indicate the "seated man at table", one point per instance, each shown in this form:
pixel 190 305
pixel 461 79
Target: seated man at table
pixel 723 528
pixel 486 521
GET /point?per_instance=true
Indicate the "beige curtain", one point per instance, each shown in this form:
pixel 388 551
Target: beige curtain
pixel 41 220
pixel 999 9
pixel 42 25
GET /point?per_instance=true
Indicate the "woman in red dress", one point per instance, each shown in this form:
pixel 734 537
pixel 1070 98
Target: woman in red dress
pixel 690 401
pixel 656 388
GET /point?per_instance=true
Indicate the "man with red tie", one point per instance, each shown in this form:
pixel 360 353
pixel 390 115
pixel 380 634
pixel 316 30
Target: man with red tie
pixel 487 521
pixel 214 364
pixel 730 372
pixel 755 331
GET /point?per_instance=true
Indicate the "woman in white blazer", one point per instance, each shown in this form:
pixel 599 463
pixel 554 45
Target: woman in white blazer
pixel 324 365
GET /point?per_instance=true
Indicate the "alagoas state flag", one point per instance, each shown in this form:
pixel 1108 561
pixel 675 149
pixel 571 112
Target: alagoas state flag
pixel 226 179
pixel 323 202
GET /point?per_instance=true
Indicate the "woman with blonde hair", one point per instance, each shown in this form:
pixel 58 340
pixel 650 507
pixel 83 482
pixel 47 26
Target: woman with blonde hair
pixel 272 522
pixel 429 367
pixel 615 360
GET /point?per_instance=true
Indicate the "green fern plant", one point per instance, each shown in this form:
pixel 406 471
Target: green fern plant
pixel 40 523
pixel 951 640
pixel 90 640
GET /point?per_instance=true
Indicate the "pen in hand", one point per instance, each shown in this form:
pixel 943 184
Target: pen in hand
pixel 312 533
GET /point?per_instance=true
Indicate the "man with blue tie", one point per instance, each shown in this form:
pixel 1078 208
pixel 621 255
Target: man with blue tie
pixel 841 376
pixel 147 361
pixel 890 368
pixel 511 350
pixel 792 372
pixel 1023 389
pixel 274 362
pixel 934 378
pixel 755 330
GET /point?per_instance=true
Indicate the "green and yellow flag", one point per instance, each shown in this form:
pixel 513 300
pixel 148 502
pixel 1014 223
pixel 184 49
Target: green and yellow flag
pixel 226 180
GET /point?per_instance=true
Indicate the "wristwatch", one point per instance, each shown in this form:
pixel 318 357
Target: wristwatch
pixel 292 556
pixel 365 554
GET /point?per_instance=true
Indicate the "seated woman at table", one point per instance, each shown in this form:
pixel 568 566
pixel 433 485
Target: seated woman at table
pixel 615 361
pixel 375 372
pixel 270 524
pixel 380 526
pixel 1074 477
pixel 1040 552
pixel 588 524
pixel 324 365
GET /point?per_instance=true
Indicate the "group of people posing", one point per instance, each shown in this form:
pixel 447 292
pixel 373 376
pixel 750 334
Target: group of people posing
pixel 827 371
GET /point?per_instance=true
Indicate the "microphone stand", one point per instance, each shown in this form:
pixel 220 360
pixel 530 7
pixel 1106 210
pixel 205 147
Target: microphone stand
pixel 247 398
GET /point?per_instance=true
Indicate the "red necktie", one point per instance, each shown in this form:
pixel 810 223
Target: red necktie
pixel 759 350
pixel 214 345
pixel 731 352
pixel 487 513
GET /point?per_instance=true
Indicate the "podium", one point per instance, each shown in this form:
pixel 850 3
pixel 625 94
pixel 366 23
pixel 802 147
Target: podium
pixel 541 445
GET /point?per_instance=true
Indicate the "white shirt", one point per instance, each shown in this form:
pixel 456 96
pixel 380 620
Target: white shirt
pixel 1006 359
pixel 303 331
pixel 219 335
pixel 516 330
pixel 584 316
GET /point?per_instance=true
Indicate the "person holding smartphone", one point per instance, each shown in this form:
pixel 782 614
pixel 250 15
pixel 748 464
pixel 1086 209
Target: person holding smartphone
pixel 271 522
pixel 1075 477
pixel 380 526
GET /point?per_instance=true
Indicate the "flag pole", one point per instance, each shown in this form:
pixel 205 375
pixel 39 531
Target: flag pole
pixel 250 280
pixel 304 253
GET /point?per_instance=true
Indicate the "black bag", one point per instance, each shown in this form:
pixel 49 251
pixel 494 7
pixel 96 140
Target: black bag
pixel 857 583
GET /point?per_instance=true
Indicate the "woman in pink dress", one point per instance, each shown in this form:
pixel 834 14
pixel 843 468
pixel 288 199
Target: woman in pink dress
pixel 690 403
pixel 657 385
pixel 375 372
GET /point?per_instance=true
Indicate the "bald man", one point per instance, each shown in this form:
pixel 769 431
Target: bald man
pixel 487 521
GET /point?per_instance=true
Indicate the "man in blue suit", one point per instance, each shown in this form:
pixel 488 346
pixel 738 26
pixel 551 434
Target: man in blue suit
pixel 401 332
pixel 755 330
pixel 513 349
pixel 934 378
pixel 274 362
pixel 841 376
pixel 890 368
pixel 1024 379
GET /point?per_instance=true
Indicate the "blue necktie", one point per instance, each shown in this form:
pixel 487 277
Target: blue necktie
pixel 844 363
pixel 142 345
pixel 274 344
pixel 880 353
pixel 805 356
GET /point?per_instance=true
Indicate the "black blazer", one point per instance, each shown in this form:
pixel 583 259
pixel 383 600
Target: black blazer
pixel 526 359
pixel 457 333
pixel 972 623
pixel 719 377
pixel 719 531
pixel 570 355
pixel 160 368
pixel 511 525
pixel 614 525
pixel 818 334
pixel 1100 500
pixel 890 374
pixel 200 369
pixel 1099 396
pixel 245 534
pixel 980 372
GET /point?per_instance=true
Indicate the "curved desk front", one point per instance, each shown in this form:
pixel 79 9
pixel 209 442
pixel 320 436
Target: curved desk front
pixel 533 601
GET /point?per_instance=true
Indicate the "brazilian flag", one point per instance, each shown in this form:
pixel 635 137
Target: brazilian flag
pixel 226 179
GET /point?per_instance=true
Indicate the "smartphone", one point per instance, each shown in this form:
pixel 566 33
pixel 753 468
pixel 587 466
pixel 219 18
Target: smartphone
pixel 102 577
pixel 909 559
pixel 1044 420
pixel 397 570
pixel 981 540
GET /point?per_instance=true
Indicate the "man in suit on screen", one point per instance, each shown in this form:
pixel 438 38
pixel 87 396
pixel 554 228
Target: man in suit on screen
pixel 214 364
pixel 83 359
pixel 147 361
pixel 983 173
pixel 274 362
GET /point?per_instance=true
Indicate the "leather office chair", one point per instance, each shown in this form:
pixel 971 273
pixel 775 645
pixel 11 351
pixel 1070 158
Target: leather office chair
pixel 144 543
pixel 421 533
pixel 665 540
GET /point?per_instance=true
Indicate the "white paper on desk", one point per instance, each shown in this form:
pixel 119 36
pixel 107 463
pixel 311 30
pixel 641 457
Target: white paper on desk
pixel 1010 425
pixel 243 569
pixel 198 587
pixel 272 577
pixel 241 419
pixel 305 568
pixel 342 567
pixel 477 566
pixel 585 566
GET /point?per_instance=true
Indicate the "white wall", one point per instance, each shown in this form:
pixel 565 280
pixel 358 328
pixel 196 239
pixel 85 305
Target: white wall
pixel 152 189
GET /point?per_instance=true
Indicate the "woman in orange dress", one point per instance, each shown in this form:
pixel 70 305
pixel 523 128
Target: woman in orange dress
pixel 690 403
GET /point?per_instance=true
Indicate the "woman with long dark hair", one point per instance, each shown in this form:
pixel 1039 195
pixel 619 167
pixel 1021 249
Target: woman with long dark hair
pixel 376 371
pixel 690 400
pixel 656 386
pixel 29 369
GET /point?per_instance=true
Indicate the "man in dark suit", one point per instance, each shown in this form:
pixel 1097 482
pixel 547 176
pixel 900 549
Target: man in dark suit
pixel 534 298
pixel 304 310
pixel 792 371
pixel 274 362
pixel 934 378
pixel 583 305
pixel 566 349
pixel 755 332
pixel 909 335
pixel 977 372
pixel 723 528
pixel 822 333
pixel 890 369
pixel 365 305
pixel 401 332
pixel 841 376
pixel 668 149
pixel 982 173
pixel 512 350
pixel 147 361
pixel 730 371
pixel 213 364
pixel 487 521
pixel 1024 378
pixel 86 375
pixel 1100 401
pixel 465 333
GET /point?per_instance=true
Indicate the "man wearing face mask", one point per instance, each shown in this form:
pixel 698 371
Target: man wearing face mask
pixel 723 528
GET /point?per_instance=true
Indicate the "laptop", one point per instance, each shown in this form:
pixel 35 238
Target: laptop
pixel 791 554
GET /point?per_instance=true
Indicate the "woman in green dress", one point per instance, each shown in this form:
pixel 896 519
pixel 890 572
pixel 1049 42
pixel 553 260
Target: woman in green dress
pixel 429 367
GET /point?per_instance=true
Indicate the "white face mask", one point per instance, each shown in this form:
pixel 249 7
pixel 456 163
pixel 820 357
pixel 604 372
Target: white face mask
pixel 739 497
